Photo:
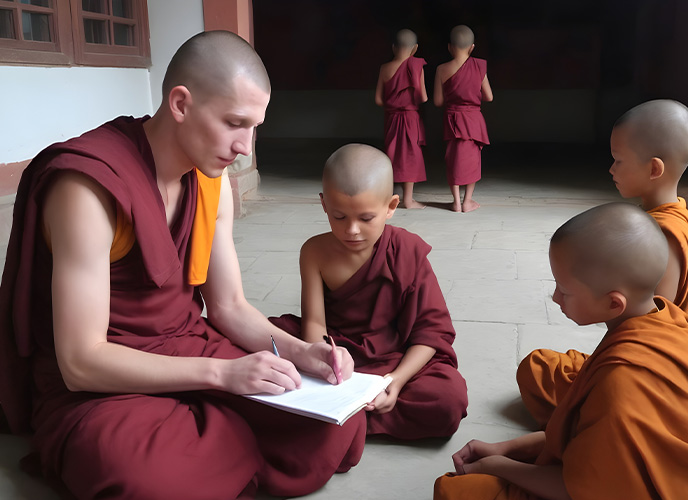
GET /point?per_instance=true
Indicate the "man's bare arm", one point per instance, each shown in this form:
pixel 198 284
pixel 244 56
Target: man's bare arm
pixel 486 90
pixel 438 95
pixel 79 218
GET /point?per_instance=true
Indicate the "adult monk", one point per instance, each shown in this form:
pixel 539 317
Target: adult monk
pixel 649 144
pixel 371 287
pixel 620 431
pixel 117 241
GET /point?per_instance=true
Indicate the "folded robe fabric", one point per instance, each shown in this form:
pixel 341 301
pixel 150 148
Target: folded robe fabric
pixel 545 375
pixel 390 304
pixel 404 130
pixel 196 444
pixel 620 431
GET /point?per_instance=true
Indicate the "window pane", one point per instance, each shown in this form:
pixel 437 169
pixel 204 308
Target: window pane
pixel 124 34
pixel 36 27
pixel 39 3
pixel 99 6
pixel 7 24
pixel 122 8
pixel 96 31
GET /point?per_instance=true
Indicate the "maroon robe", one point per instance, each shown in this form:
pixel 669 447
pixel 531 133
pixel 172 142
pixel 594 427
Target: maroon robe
pixel 391 303
pixel 404 132
pixel 464 125
pixel 198 444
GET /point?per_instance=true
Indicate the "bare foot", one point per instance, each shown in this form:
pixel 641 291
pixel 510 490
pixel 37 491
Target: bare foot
pixel 470 205
pixel 413 204
pixel 456 206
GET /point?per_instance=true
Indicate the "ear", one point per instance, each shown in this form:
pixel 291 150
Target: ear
pixel 617 303
pixel 178 100
pixel 471 49
pixel 322 202
pixel 656 168
pixel 393 204
pixel 414 49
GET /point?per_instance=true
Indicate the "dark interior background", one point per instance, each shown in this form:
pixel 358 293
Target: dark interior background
pixel 562 71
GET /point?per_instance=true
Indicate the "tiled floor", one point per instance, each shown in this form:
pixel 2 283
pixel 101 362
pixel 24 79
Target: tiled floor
pixel 493 268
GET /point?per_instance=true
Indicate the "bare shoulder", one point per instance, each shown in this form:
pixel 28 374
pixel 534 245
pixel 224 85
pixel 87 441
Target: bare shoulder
pixel 318 245
pixel 388 69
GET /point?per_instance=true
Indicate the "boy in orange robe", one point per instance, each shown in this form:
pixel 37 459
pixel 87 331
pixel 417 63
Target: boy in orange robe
pixel 371 287
pixel 400 89
pixel 649 144
pixel 460 86
pixel 620 431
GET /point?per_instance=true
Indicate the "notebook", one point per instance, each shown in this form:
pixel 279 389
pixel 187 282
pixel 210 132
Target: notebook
pixel 321 400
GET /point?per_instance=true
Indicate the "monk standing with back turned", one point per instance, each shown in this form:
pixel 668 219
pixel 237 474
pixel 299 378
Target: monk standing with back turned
pixel 400 89
pixel 460 86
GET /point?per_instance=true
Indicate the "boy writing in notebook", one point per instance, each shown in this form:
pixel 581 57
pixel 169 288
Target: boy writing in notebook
pixel 620 432
pixel 649 144
pixel 460 86
pixel 400 89
pixel 371 288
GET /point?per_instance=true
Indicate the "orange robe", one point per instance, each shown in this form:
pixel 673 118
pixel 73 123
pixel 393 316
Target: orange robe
pixel 545 375
pixel 620 432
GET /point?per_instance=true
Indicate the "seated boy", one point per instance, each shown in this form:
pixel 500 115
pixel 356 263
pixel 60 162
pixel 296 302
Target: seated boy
pixel 371 288
pixel 649 144
pixel 620 432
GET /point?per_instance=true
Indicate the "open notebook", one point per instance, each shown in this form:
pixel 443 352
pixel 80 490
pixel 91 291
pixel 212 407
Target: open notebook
pixel 323 401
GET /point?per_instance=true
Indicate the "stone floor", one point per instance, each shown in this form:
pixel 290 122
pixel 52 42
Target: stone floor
pixel 493 268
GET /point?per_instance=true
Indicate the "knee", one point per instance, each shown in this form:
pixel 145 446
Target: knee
pixel 532 363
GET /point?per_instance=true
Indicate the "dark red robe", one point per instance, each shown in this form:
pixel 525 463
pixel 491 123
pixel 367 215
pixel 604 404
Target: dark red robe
pixel 188 445
pixel 391 303
pixel 404 131
pixel 464 125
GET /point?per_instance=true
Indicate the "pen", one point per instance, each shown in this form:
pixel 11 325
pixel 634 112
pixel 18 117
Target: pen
pixel 274 347
pixel 335 364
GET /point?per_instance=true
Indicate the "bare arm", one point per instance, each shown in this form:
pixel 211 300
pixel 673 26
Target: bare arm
pixel 230 312
pixel 79 218
pixel 486 90
pixel 668 286
pixel 378 90
pixel 415 358
pixel 313 321
pixel 438 96
pixel 423 91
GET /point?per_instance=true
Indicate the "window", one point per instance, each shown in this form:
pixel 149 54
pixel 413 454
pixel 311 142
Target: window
pixel 75 32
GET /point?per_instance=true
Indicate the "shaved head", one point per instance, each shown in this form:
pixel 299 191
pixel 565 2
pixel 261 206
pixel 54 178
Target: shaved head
pixel 658 129
pixel 461 37
pixel 616 246
pixel 356 168
pixel 405 38
pixel 207 64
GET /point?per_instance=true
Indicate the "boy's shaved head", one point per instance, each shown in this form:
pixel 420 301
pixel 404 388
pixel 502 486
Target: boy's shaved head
pixel 356 168
pixel 658 129
pixel 207 63
pixel 461 37
pixel 616 246
pixel 405 38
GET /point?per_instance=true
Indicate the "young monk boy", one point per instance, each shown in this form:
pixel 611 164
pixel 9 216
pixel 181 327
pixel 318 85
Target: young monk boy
pixel 649 145
pixel 460 86
pixel 400 89
pixel 620 432
pixel 371 288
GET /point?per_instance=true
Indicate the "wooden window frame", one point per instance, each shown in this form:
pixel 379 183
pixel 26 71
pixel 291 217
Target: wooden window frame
pixel 69 47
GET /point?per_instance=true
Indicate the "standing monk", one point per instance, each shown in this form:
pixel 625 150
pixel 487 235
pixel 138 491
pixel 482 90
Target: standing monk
pixel 119 237
pixel 460 86
pixel 400 89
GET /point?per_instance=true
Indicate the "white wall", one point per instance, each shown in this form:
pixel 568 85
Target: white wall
pixel 171 22
pixel 51 104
